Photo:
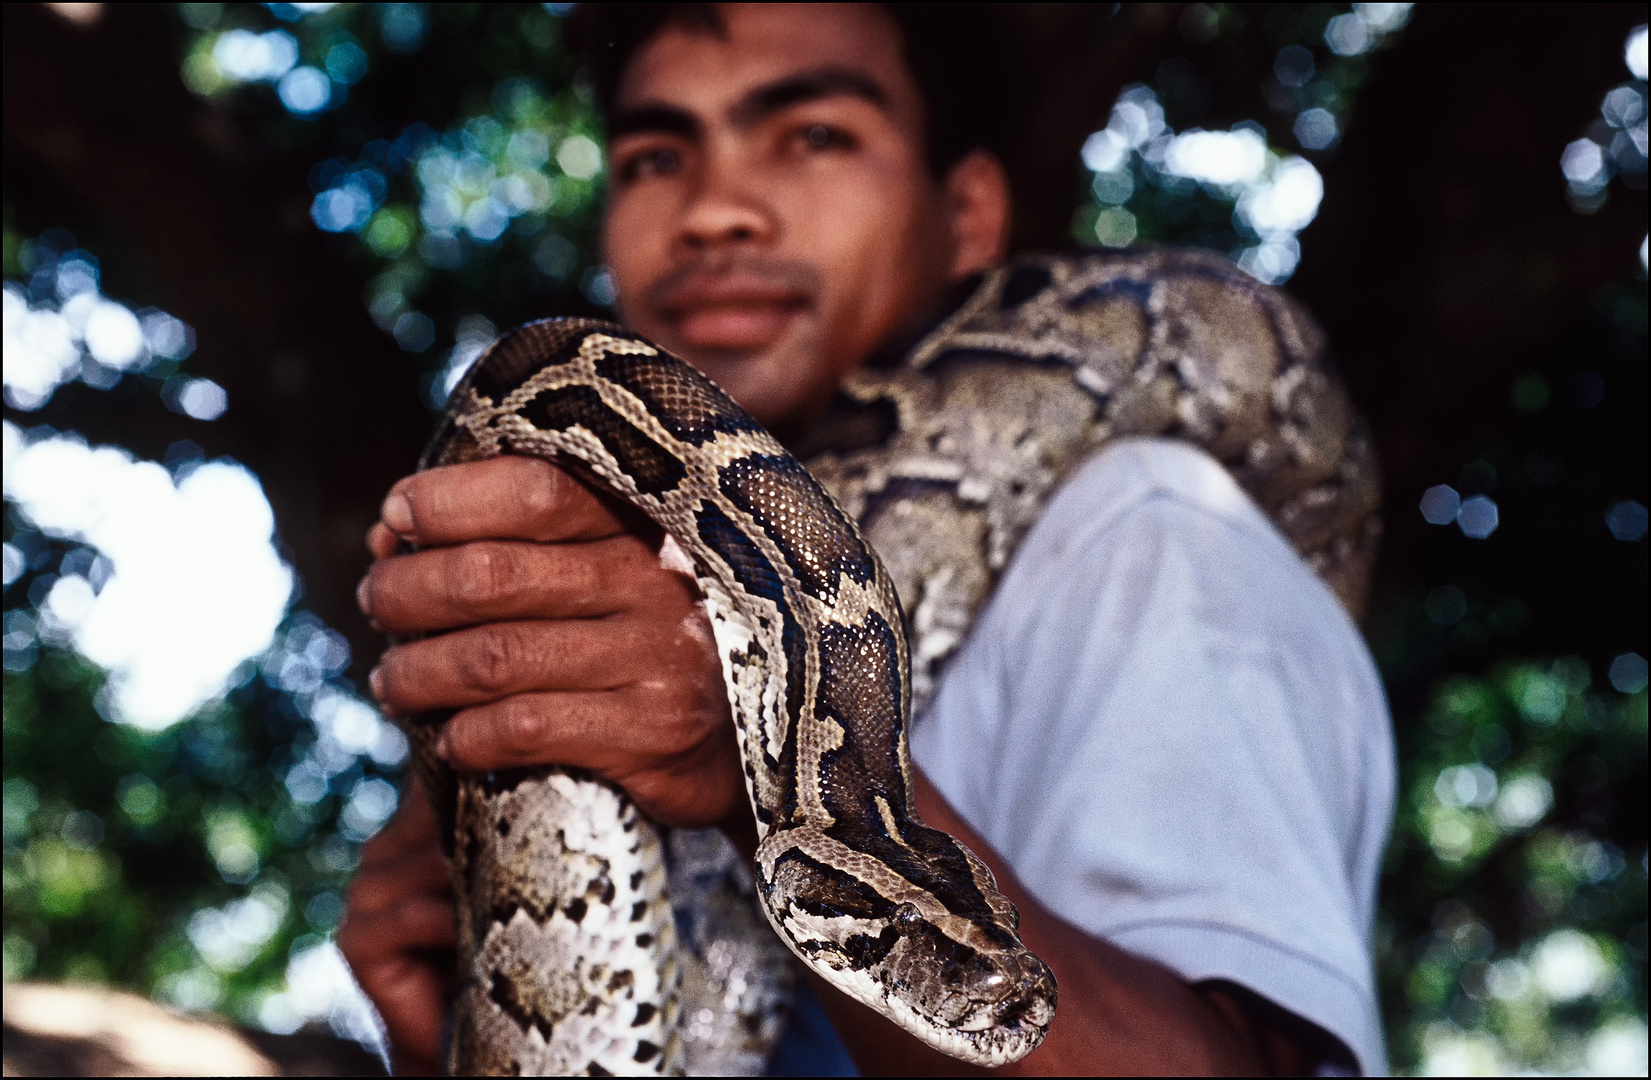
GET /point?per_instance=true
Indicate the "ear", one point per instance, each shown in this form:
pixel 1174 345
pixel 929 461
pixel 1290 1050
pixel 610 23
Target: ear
pixel 977 203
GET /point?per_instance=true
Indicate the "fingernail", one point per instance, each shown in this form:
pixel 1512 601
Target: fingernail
pixel 375 679
pixel 363 596
pixel 398 514
pixel 444 746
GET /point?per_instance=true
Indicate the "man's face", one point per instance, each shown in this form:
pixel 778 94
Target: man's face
pixel 771 216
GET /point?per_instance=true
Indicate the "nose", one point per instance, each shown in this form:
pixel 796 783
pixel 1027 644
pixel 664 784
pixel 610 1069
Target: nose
pixel 724 210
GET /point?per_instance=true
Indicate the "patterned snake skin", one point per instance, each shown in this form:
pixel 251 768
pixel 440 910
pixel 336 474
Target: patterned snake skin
pixel 590 941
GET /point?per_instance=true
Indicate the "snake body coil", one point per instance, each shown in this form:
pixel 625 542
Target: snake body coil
pixel 572 958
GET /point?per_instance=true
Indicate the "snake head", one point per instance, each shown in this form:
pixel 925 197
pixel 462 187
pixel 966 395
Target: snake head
pixel 985 999
pixel 952 974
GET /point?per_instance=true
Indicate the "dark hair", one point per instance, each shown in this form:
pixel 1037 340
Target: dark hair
pixel 952 50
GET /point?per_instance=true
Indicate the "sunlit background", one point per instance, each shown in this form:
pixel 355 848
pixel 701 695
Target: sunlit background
pixel 190 766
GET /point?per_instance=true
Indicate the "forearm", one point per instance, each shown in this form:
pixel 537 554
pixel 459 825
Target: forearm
pixel 1118 1013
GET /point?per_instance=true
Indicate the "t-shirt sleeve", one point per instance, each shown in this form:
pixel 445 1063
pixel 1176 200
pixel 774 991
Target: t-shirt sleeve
pixel 1171 730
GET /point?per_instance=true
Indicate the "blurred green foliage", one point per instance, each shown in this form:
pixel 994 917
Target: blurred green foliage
pixel 184 863
pixel 456 163
pixel 1495 791
pixel 191 862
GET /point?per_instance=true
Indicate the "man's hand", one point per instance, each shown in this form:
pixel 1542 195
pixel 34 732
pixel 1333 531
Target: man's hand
pixel 557 632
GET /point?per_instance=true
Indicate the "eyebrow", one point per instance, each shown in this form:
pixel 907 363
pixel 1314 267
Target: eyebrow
pixel 654 119
pixel 755 106
pixel 826 82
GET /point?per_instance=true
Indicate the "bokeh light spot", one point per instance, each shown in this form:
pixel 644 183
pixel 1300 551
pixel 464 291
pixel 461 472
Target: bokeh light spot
pixel 1628 673
pixel 1524 800
pixel 248 57
pixel 1104 151
pixel 1294 66
pixel 1347 35
pixel 1115 227
pixel 1465 786
pixel 1618 1047
pixel 1446 605
pixel 415 331
pixel 579 157
pixel 199 399
pixel 1530 393
pixel 1217 157
pixel 1584 164
pixel 346 63
pixel 1568 965
pixel 305 91
pixel 1288 203
pixel 598 286
pixel 1626 520
pixel 113 335
pixel 1478 517
pixel 1440 504
pixel 1316 129
pixel 402 26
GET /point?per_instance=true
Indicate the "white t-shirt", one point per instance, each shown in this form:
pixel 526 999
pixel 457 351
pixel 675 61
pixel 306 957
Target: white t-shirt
pixel 1171 730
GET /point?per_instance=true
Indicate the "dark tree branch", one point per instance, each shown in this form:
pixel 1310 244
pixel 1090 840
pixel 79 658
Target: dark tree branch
pixel 1070 60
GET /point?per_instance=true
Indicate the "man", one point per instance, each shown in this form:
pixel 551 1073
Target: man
pixel 1163 724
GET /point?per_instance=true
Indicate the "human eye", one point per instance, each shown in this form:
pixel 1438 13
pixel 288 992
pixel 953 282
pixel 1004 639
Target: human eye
pixel 817 137
pixel 644 163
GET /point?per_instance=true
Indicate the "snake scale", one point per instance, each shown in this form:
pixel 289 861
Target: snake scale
pixel 591 941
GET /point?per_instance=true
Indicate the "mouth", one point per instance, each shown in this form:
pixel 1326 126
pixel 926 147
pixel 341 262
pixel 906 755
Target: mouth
pixel 731 312
pixel 749 325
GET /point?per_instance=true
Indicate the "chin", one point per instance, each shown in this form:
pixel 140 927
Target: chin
pixel 756 380
pixel 775 383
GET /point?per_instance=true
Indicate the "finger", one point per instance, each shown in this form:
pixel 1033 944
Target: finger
pixel 614 732
pixel 681 764
pixel 381 542
pixel 388 884
pixel 485 663
pixel 503 498
pixel 412 924
pixel 489 581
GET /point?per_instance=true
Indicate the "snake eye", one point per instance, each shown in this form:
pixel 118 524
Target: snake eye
pixel 905 917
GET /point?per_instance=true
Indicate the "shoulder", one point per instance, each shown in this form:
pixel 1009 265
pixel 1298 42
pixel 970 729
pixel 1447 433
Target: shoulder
pixel 1157 636
pixel 1161 520
pixel 1152 577
pixel 1132 473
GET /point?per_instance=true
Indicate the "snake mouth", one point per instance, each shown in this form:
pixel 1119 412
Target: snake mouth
pixel 1018 999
